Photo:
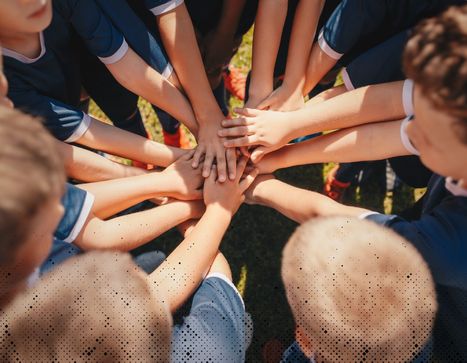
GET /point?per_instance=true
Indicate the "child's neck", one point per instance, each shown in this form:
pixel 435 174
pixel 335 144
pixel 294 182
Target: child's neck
pixel 27 44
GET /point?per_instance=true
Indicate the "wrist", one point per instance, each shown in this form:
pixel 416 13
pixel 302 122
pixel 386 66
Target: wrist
pixel 222 213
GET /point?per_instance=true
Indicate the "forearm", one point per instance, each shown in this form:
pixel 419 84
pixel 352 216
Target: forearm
pixel 111 139
pixel 231 12
pixel 87 166
pixel 183 270
pixel 318 66
pixel 300 204
pixel 364 105
pixel 114 196
pixel 133 230
pixel 269 24
pixel 179 40
pixel 303 32
pixel 137 76
pixel 362 143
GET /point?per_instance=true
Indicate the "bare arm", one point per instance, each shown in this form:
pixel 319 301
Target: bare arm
pixel 184 269
pixel 288 96
pixel 295 203
pixel 363 143
pixel 137 76
pixel 87 166
pixel 179 39
pixel 115 141
pixel 273 130
pixel 269 24
pixel 179 181
pixel 130 231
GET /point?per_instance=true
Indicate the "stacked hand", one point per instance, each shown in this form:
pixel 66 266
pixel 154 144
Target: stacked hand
pixel 266 129
pixel 230 194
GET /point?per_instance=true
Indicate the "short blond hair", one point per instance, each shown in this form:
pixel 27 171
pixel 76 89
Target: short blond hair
pixel 94 308
pixel 359 291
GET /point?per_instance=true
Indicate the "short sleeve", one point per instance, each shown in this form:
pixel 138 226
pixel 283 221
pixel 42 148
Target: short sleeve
pixel 293 354
pixel 158 7
pixel 217 329
pixel 441 238
pixel 405 137
pixel 101 37
pixel 64 122
pixel 77 204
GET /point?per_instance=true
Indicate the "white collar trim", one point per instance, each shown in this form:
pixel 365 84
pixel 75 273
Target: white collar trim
pixel 22 58
pixel 455 188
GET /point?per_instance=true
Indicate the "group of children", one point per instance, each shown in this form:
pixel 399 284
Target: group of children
pixel 362 286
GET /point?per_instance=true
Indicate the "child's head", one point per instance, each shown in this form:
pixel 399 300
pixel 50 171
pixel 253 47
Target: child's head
pixel 436 59
pixel 31 184
pixel 24 16
pixel 4 101
pixel 358 291
pixel 96 307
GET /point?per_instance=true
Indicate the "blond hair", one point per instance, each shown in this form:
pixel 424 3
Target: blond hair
pixel 358 290
pixel 31 172
pixel 94 308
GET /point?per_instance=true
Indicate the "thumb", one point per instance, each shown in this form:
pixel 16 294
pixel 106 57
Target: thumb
pixel 259 153
pixel 247 112
pixel 267 102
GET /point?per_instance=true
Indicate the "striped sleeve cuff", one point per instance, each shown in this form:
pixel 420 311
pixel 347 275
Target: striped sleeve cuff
pixel 81 129
pixel 326 48
pixel 119 54
pixel 166 7
pixel 405 138
pixel 83 216
pixel 407 97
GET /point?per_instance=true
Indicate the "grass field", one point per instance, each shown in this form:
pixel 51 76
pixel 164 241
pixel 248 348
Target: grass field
pixel 255 239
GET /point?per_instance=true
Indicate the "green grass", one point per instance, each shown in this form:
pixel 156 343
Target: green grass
pixel 254 241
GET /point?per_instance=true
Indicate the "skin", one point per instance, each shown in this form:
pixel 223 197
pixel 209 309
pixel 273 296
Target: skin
pixel 193 257
pixel 179 40
pixel 288 96
pixel 432 131
pixel 272 130
pixel 22 35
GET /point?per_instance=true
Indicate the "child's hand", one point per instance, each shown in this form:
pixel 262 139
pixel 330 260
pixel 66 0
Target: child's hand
pixel 253 193
pixel 283 99
pixel 183 181
pixel 211 147
pixel 268 129
pixel 229 195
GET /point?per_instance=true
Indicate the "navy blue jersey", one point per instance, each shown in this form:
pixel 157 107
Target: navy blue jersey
pixel 49 86
pixel 158 7
pixel 217 328
pixel 440 235
pixel 139 26
pixel 77 204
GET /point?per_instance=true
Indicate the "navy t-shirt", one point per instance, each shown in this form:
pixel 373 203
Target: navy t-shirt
pixel 440 235
pixel 49 86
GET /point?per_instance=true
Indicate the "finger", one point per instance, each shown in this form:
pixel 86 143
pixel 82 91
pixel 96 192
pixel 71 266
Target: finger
pixel 239 121
pixel 241 165
pixel 209 159
pixel 244 151
pixel 247 112
pixel 242 141
pixel 212 175
pixel 199 151
pixel 248 180
pixel 232 163
pixel 221 166
pixel 235 131
pixel 266 103
pixel 189 154
pixel 258 154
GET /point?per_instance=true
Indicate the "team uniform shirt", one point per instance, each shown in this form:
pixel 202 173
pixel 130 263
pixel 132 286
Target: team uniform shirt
pixel 217 328
pixel 49 86
pixel 78 205
pixel 139 27
pixel 440 235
